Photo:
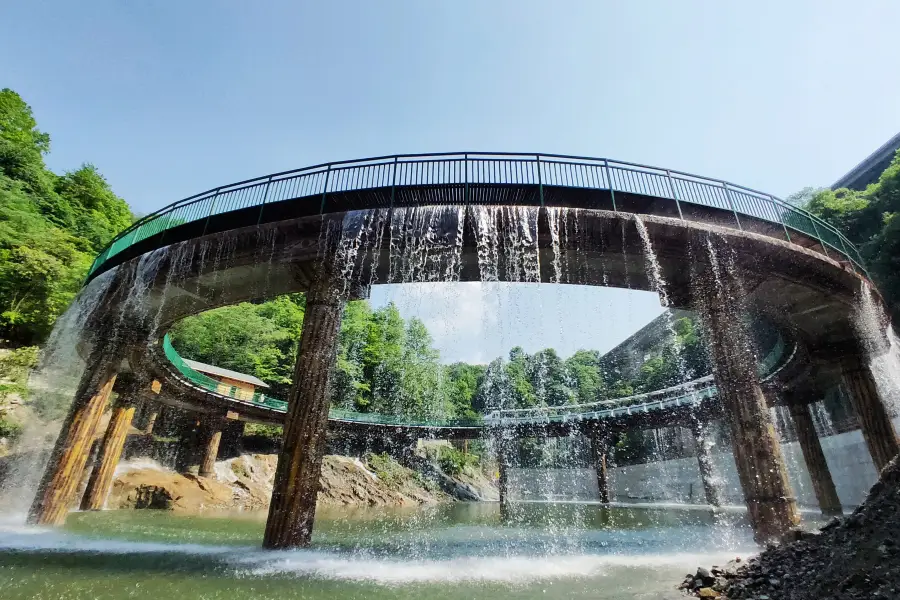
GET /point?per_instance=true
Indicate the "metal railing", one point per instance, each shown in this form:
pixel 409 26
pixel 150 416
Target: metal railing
pixel 463 170
pixel 691 392
pixel 212 386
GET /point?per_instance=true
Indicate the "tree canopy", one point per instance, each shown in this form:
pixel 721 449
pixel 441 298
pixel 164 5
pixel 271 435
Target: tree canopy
pixel 51 226
pixel 867 218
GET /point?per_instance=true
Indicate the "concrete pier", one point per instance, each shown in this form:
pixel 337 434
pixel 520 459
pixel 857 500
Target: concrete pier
pixel 293 506
pixel 599 455
pixel 877 429
pixel 65 467
pixel 111 447
pixel 152 415
pixel 823 484
pixel 771 506
pixel 211 437
pixel 504 462
pixel 705 464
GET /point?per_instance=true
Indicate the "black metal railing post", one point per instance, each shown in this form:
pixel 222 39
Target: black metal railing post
pixel 674 193
pixel 393 180
pixel 325 190
pixel 466 161
pixel 731 204
pixel 212 207
pixel 265 197
pixel 612 191
pixel 780 217
pixel 540 179
pixel 819 237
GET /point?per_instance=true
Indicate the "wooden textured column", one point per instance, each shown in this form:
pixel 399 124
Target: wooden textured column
pixel 152 415
pixel 211 438
pixel 876 425
pixel 110 452
pixel 705 464
pixel 599 455
pixel 65 467
pixel 719 296
pixel 293 507
pixel 823 484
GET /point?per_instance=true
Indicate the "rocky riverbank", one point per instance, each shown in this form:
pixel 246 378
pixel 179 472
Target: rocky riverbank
pixel 853 558
pixel 245 483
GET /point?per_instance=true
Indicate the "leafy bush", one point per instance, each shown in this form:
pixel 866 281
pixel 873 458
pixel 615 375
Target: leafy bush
pixel 453 461
pixel 9 429
pixel 386 468
pixel 14 368
pixel 269 432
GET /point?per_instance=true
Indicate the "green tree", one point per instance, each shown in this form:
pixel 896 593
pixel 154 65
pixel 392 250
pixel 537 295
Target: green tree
pixel 98 214
pixel 22 150
pixel 867 219
pixel 587 380
pixel 461 387
pixel 256 339
pixel 50 227
pixel 41 267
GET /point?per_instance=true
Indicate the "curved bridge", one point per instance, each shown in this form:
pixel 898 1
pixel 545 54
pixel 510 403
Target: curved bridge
pixel 261 237
pixel 678 403
pixel 701 244
pixel 476 178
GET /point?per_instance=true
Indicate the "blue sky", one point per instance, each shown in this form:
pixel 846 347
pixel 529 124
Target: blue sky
pixel 170 98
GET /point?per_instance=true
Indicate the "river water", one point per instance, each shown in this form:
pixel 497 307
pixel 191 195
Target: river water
pixel 452 551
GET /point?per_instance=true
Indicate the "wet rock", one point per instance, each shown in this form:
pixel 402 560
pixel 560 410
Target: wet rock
pixel 705 577
pixel 153 497
pixel 850 559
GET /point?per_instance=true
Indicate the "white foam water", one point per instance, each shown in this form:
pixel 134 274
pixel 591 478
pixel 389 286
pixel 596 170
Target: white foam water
pixel 496 569
pixel 142 464
pixel 360 565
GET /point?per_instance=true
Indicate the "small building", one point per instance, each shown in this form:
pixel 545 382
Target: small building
pixel 231 383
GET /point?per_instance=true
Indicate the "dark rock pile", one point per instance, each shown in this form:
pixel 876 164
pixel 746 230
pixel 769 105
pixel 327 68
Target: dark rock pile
pixel 851 558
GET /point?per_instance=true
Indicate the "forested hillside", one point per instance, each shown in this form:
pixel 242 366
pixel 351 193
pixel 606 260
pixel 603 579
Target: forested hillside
pixel 868 219
pixel 51 226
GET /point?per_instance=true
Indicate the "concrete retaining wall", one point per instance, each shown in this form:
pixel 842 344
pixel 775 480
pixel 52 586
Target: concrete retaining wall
pixel 679 480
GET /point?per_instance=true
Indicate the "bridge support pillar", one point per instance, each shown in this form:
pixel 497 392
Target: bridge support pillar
pixel 503 463
pixel 65 467
pixel 111 447
pixel 823 484
pixel 211 437
pixel 599 456
pixel 293 506
pixel 876 425
pixel 704 462
pixel 771 507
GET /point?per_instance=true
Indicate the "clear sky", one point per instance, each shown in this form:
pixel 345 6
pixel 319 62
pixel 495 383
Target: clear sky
pixel 170 98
